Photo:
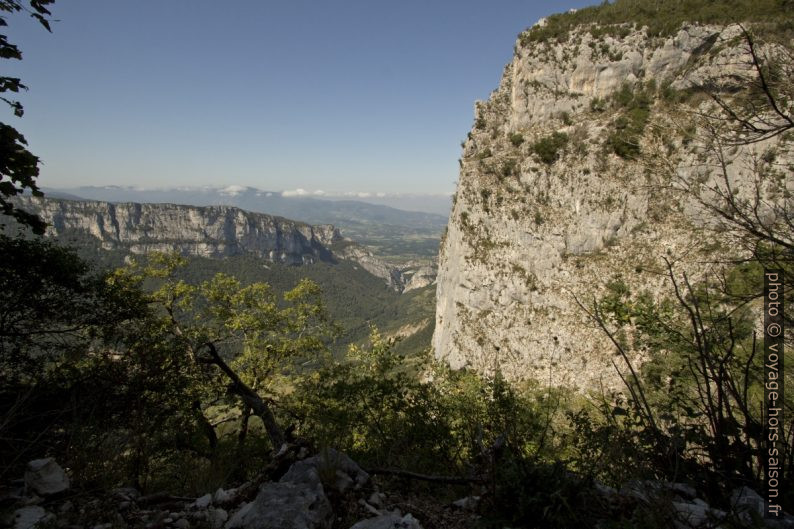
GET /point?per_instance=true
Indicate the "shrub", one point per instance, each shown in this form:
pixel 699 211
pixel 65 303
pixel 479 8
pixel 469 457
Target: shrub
pixel 700 337
pixel 516 139
pixel 375 406
pixel 548 149
pixel 629 126
pixel 597 104
pixel 661 18
pixel 509 168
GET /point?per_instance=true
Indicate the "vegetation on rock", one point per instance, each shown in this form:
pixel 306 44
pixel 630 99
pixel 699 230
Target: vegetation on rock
pixel 661 18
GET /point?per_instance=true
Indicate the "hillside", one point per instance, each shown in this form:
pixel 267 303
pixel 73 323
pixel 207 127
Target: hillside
pixel 355 299
pixel 212 231
pixel 359 289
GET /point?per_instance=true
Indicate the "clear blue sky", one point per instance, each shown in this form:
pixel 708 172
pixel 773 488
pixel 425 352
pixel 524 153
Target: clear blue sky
pixel 361 95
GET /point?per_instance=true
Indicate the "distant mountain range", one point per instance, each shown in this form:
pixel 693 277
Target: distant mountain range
pixel 389 230
pixel 438 204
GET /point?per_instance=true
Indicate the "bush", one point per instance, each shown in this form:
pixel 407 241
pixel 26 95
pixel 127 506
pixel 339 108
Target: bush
pixel 483 154
pixel 634 106
pixel 597 104
pixel 375 406
pixel 509 168
pixel 662 18
pixel 548 149
pixel 516 139
pixel 701 337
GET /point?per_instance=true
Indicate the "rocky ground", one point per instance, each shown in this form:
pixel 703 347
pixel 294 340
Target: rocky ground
pixel 329 490
pixel 324 491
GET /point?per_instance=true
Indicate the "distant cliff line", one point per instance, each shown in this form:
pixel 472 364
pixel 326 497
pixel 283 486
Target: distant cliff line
pixel 211 231
pixel 204 231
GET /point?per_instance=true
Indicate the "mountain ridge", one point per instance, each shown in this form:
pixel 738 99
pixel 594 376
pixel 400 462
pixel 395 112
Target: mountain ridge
pixel 392 234
pixel 206 231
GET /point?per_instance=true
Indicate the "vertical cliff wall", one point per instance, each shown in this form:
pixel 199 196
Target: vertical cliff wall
pixel 567 183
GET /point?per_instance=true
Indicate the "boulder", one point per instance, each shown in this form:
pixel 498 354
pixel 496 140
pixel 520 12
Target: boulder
pixel 690 515
pixel 746 501
pixel 751 507
pixel 28 517
pixel 647 490
pixel 217 517
pixel 46 477
pixel 222 497
pixel 297 501
pixel 469 503
pixel 335 469
pixel 202 502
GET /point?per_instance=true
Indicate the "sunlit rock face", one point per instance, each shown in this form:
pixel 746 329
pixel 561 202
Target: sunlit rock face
pixel 215 231
pixel 534 232
pixel 212 231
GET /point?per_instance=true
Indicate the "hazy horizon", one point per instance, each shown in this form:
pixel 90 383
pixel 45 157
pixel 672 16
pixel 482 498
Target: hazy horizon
pixel 435 203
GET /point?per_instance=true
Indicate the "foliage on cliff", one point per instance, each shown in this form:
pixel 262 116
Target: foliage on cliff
pixel 662 18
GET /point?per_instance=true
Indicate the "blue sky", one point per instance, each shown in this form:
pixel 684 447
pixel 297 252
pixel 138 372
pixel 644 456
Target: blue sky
pixel 340 96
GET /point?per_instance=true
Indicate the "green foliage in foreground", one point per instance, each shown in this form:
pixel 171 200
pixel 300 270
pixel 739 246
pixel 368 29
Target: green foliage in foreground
pixel 389 410
pixel 663 18
pixel 355 299
pixel 137 400
pixel 19 168
pixel 694 412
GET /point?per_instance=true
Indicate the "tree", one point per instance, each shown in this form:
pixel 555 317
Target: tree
pixel 745 141
pixel 19 168
pixel 57 316
pixel 696 400
pixel 221 318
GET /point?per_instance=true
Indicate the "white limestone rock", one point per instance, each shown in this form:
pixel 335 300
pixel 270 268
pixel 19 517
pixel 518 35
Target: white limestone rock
pixel 523 246
pixel 210 231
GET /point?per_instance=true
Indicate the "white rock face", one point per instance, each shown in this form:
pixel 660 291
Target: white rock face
pixel 527 239
pixel 212 231
pixel 375 266
pixel 545 80
pixel 423 276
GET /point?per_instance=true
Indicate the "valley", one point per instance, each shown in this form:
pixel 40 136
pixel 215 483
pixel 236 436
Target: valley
pixel 395 235
pixel 360 289
pixel 593 332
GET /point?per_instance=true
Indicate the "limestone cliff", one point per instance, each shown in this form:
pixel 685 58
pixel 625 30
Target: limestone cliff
pixel 213 231
pixel 567 183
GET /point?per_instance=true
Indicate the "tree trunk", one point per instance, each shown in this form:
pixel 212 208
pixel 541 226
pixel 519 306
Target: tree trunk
pixel 206 427
pixel 243 428
pixel 250 398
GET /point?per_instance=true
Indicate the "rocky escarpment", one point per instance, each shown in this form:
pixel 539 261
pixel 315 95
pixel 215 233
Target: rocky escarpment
pixel 568 182
pixel 213 231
